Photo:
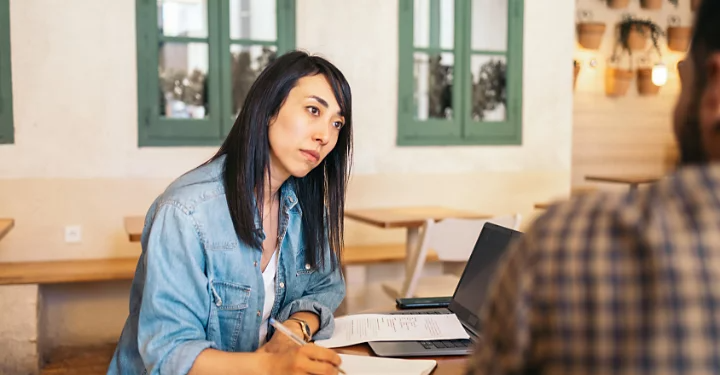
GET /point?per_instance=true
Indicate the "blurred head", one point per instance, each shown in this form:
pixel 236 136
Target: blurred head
pixel 296 126
pixel 697 113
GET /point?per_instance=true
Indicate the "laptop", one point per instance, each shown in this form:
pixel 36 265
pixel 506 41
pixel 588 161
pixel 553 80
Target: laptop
pixel 470 294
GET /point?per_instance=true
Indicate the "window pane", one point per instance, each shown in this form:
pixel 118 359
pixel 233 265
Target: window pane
pixel 253 19
pixel 183 18
pixel 489 25
pixel 434 23
pixel 247 63
pixel 433 85
pixel 183 72
pixel 489 91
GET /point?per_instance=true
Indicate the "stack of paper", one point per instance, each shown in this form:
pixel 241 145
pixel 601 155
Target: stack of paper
pixel 364 365
pixel 356 329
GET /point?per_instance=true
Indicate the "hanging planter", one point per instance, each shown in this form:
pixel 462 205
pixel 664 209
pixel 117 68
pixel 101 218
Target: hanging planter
pixel 637 38
pixel 678 37
pixel 617 81
pixel 590 34
pixel 651 4
pixel 618 4
pixel 645 84
pixel 634 34
pixel 576 71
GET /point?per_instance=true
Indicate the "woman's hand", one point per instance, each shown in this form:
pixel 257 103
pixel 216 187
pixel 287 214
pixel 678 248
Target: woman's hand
pixel 280 343
pixel 303 360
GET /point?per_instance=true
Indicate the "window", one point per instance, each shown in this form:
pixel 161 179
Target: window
pixel 197 60
pixel 6 112
pixel 460 72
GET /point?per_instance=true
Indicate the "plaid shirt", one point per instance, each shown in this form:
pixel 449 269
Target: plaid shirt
pixel 621 284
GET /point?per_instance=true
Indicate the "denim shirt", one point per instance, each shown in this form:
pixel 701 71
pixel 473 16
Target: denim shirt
pixel 197 286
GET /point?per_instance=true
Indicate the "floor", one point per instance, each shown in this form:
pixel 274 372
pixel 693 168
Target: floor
pixel 85 360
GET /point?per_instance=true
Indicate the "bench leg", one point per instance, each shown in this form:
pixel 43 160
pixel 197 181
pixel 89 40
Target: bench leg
pixel 19 331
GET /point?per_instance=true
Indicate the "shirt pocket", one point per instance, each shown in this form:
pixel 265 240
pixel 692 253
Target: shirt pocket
pixel 231 301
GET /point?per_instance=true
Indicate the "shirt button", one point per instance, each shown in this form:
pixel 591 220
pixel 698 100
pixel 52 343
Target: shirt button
pixel 282 285
pixel 259 313
pixel 254 264
pixel 307 266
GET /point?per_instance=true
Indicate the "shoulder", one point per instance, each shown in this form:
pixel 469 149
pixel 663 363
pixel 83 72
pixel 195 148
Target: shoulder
pixel 193 189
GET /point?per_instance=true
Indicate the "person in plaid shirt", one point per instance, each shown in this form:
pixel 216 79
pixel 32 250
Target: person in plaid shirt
pixel 624 284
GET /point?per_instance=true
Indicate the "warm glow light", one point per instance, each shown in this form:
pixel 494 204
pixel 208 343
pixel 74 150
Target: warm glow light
pixel 659 74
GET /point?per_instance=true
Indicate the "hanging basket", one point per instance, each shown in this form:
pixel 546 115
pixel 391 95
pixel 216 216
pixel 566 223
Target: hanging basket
pixel 590 34
pixel 576 71
pixel 679 38
pixel 645 84
pixel 637 40
pixel 618 4
pixel 651 4
pixel 617 81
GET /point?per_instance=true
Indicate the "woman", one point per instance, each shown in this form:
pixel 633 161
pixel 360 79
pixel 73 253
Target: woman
pixel 253 233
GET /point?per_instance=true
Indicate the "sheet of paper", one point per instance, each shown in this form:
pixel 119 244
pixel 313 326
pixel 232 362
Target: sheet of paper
pixel 364 365
pixel 356 329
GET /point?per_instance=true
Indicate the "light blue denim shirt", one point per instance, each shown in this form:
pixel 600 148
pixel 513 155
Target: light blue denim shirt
pixel 197 286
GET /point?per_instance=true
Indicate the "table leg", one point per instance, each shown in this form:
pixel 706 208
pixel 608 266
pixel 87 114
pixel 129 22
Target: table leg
pixel 411 244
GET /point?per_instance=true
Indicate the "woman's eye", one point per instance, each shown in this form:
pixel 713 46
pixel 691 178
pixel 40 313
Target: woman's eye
pixel 313 110
pixel 338 125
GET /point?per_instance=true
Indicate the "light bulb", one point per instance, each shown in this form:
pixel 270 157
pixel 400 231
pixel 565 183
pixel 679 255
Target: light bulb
pixel 659 74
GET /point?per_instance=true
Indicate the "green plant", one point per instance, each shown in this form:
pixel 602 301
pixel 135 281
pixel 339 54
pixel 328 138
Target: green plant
pixel 643 27
pixel 490 90
pixel 674 2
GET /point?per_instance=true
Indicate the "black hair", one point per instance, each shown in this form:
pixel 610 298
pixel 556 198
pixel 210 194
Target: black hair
pixel 321 193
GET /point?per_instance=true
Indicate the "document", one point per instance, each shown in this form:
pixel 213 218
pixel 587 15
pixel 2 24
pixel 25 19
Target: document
pixel 356 329
pixel 364 365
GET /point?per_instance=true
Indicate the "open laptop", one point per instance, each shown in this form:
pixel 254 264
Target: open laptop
pixel 470 294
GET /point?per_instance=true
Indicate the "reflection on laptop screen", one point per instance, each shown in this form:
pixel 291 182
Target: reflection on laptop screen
pixel 489 250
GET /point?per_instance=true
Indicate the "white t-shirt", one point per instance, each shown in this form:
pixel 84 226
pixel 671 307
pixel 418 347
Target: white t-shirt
pixel 269 280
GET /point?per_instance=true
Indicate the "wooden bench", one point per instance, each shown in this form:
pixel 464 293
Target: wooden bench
pixel 94 270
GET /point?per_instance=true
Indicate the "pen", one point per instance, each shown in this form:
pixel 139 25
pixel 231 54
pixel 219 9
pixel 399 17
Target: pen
pixel 282 329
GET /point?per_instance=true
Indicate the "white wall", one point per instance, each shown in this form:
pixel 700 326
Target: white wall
pixel 76 161
pixel 630 134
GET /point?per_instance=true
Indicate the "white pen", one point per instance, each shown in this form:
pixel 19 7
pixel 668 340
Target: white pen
pixel 284 330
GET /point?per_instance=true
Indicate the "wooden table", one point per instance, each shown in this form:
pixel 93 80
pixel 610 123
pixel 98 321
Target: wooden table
pixel 5 226
pixel 410 218
pixel 633 181
pixel 134 227
pixel 542 206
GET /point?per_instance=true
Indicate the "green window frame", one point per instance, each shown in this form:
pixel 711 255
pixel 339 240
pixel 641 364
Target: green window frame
pixel 157 130
pixel 6 110
pixel 461 128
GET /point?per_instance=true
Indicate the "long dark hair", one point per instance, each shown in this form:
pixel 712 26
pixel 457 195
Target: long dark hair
pixel 321 193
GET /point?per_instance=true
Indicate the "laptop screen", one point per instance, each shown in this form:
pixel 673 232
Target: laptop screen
pixel 473 288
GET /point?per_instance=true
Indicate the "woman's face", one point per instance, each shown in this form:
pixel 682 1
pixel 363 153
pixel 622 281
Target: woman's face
pixel 305 129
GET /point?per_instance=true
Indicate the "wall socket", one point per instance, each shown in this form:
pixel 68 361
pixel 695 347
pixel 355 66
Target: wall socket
pixel 73 234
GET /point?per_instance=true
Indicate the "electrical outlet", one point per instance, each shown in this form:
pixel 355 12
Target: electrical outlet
pixel 73 234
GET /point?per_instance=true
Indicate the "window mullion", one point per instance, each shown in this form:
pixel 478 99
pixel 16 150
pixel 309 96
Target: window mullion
pixel 222 40
pixel 462 60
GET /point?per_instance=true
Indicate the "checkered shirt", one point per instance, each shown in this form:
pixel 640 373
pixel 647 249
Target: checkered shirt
pixel 612 284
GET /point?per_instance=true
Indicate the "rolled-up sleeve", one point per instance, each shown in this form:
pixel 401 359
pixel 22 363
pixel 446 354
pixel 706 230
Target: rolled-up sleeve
pixel 325 291
pixel 174 311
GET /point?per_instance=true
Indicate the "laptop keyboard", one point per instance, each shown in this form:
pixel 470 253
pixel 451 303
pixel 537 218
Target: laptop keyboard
pixel 438 344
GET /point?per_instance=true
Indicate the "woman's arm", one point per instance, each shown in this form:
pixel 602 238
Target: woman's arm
pixel 173 314
pixel 212 361
pixel 325 291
